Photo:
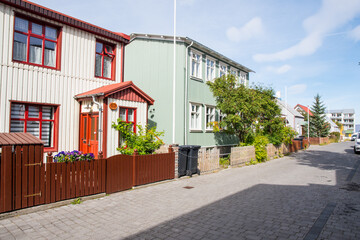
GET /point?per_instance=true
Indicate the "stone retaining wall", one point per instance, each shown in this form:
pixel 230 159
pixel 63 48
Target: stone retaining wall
pixel 242 155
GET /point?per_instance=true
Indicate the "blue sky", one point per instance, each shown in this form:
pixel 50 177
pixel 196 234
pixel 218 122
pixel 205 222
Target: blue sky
pixel 307 47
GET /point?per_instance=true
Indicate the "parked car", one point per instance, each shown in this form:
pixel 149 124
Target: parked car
pixel 353 137
pixel 357 143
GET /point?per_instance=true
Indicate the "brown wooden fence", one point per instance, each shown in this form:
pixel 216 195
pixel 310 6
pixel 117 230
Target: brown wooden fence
pixel 26 181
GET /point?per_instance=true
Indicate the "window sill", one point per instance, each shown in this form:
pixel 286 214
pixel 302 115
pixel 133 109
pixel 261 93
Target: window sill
pixel 196 79
pixel 36 65
pixel 209 130
pixel 104 78
pixel 196 130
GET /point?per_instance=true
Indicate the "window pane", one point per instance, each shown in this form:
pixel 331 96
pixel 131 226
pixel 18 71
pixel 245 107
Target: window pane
pixel 20 46
pixel 47 113
pixel 33 127
pixel 50 33
pixel 130 115
pixel 50 54
pixel 107 67
pixel 36 29
pixel 85 127
pixel 46 133
pixel 21 24
pixel 98 63
pixel 16 126
pixel 93 128
pixel 35 50
pixel 33 112
pixel 99 47
pixel 17 110
pixel 109 49
pixel 123 114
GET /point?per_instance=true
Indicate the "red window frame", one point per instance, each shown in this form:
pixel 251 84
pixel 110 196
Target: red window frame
pixel 104 53
pixel 55 121
pixel 127 116
pixel 42 37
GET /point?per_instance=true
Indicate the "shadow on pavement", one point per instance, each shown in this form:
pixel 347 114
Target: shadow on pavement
pixel 266 211
pixel 260 212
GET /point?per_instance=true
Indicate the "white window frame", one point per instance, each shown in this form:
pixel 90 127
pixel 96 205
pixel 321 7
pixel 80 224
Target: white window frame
pixel 221 118
pixel 212 77
pixel 193 57
pixel 212 115
pixel 242 78
pixel 198 112
pixel 221 71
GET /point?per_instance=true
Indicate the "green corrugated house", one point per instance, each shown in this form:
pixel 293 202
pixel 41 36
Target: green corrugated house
pixel 149 64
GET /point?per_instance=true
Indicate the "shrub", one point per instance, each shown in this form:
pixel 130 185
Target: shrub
pixel 334 137
pixel 260 143
pixel 65 156
pixel 225 161
pixel 145 141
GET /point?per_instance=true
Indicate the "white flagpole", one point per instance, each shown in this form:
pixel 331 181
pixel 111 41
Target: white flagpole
pixel 174 74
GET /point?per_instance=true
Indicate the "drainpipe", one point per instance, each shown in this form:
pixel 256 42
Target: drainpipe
pixel 186 92
pixel 100 124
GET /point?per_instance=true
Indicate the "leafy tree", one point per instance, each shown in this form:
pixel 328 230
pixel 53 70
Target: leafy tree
pixel 145 141
pixel 318 125
pixel 249 112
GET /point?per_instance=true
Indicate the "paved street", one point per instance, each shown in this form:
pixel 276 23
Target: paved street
pixel 303 196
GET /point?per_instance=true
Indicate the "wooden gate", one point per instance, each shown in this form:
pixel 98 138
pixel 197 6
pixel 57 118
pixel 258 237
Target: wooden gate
pixel 22 172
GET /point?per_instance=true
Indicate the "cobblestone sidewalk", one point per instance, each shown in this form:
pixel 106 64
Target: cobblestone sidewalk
pixel 308 195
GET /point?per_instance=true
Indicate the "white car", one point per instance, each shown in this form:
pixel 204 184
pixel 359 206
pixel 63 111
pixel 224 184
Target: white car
pixel 357 143
pixel 353 137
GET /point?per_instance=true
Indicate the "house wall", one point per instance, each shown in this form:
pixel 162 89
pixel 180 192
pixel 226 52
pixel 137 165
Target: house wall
pixel 199 93
pixel 149 64
pixel 113 115
pixel 30 83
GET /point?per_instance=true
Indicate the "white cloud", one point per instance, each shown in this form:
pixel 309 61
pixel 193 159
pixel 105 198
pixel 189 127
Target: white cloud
pixel 297 89
pixel 280 70
pixel 355 33
pixel 250 30
pixel 331 15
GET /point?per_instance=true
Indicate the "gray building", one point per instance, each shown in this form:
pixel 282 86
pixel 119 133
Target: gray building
pixel 344 116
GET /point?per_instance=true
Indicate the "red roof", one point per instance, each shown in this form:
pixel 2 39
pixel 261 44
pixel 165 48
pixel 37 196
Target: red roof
pixel 66 19
pixel 108 90
pixel 18 139
pixel 306 109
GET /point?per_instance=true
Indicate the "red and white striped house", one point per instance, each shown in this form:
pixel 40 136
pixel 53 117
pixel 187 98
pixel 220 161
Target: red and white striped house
pixel 60 76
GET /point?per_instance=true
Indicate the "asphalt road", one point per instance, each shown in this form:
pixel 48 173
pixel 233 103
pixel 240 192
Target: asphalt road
pixel 312 194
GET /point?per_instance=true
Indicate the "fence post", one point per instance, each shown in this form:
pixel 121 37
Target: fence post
pixel 49 158
pixel 170 149
pixel 135 154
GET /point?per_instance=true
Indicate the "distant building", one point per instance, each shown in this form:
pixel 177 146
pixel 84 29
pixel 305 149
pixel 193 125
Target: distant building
pixel 344 116
pixel 304 110
pixel 293 118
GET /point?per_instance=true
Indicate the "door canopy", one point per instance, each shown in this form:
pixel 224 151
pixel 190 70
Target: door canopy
pixel 124 90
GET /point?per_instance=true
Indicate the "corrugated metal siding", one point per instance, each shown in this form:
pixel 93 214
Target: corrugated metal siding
pixel 129 95
pixel 113 115
pixel 29 83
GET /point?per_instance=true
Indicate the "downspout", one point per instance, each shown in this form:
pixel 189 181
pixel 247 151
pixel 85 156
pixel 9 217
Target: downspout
pixel 100 124
pixel 186 92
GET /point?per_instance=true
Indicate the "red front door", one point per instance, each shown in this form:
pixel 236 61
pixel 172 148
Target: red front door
pixel 89 133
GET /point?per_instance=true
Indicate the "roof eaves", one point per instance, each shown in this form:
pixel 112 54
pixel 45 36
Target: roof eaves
pixel 188 41
pixel 89 95
pixel 65 19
